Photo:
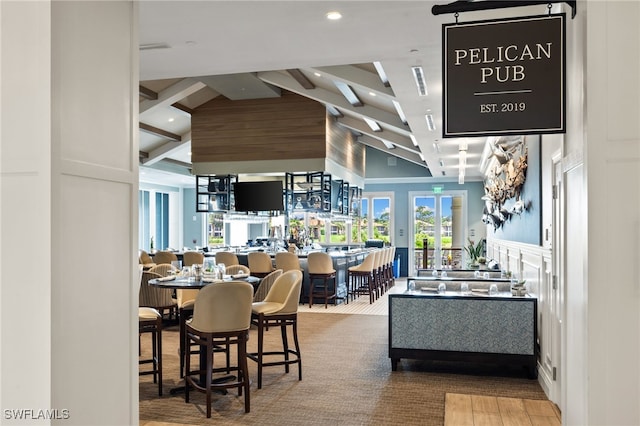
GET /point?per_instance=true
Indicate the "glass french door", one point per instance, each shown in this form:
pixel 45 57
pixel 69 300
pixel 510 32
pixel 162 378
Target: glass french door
pixel 439 229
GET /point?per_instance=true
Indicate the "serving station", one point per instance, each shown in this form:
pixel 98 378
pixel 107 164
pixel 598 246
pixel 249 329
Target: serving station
pixel 455 326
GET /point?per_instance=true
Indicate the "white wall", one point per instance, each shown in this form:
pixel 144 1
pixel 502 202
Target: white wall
pixel 69 179
pixel 612 159
pixel 600 372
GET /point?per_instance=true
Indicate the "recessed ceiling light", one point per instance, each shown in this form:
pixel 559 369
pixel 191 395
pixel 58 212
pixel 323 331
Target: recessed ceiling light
pixel 171 120
pixel 334 15
pixel 372 94
pixel 317 74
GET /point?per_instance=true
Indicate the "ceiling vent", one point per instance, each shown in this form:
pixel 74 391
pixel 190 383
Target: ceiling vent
pixel 418 76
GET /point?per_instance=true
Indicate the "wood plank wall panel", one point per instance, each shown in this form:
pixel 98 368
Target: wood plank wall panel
pixel 343 148
pixel 287 127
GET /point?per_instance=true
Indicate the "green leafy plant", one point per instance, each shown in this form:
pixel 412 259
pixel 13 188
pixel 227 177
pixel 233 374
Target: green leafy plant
pixel 474 250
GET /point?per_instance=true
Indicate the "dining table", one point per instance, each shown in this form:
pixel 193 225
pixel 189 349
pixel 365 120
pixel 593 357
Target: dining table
pixel 192 283
pixel 177 282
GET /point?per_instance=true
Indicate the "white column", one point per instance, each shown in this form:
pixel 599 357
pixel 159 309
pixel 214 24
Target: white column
pixel 69 181
pixel 612 172
pixel 25 208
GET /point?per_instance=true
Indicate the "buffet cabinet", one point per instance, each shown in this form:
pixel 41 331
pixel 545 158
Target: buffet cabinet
pixel 452 327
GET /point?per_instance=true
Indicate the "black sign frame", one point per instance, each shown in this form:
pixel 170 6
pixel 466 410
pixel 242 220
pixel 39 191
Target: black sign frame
pixel 493 94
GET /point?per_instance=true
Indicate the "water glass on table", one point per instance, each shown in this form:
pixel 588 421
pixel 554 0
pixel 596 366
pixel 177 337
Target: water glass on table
pixel 493 290
pixel 464 288
pixel 186 272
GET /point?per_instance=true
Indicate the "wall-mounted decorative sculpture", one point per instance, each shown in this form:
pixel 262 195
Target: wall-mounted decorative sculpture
pixel 504 180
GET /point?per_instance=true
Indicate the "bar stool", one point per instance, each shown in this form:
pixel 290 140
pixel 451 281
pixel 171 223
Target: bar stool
pixel 391 273
pixel 150 321
pixel 320 267
pixel 221 316
pixel 279 308
pixel 287 261
pixel 361 278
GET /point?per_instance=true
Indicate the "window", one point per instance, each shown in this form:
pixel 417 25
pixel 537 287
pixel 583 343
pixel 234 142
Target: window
pixel 377 218
pixel 144 221
pixel 162 221
pixel 215 229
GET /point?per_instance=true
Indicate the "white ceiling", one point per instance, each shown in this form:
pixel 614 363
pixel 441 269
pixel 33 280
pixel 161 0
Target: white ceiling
pixel 193 51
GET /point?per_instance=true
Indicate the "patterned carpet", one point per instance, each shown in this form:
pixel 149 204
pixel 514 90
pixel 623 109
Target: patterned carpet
pixel 346 380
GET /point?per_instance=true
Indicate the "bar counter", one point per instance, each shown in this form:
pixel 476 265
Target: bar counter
pixel 342 260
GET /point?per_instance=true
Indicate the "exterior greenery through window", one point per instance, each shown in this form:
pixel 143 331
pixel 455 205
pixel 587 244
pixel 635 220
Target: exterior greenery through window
pixel 378 208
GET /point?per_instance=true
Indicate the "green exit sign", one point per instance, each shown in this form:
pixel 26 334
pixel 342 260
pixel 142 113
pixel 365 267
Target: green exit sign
pixel 437 189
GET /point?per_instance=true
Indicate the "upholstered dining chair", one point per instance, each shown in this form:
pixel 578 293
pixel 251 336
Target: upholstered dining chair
pixel 260 264
pixel 164 257
pixel 320 267
pixel 237 269
pixel 154 297
pixel 287 261
pixel 150 321
pixel 221 316
pixel 227 257
pixel 185 300
pixel 192 258
pixel 145 260
pixel 164 269
pixel 265 285
pixel 279 308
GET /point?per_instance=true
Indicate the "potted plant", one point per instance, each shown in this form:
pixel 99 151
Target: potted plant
pixel 474 251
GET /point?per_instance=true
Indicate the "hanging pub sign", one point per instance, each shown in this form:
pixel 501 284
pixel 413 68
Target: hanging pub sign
pixel 504 76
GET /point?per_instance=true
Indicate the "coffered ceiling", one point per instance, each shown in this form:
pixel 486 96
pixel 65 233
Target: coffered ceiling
pixel 194 51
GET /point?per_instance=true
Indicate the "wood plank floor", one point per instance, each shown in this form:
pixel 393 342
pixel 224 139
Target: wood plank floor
pixel 478 410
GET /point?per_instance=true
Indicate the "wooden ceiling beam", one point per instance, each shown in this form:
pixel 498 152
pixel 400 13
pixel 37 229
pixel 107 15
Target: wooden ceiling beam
pixel 147 93
pixel 182 107
pixel 157 131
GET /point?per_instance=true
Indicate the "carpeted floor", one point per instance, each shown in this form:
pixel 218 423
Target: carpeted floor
pixel 346 380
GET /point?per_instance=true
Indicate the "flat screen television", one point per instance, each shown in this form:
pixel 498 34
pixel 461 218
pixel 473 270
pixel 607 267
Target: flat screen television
pixel 258 196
